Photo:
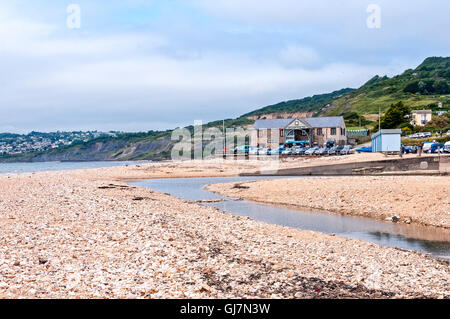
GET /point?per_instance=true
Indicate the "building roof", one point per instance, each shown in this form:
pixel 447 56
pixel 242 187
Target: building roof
pixel 272 124
pixel 317 122
pixel 386 132
pixel 422 111
pixel 314 122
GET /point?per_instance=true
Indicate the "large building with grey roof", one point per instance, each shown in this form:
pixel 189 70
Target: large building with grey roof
pixel 313 131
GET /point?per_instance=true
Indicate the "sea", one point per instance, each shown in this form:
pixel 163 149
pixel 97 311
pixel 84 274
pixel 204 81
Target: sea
pixel 19 168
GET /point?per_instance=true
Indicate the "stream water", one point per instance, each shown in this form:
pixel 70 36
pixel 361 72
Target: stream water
pixel 434 241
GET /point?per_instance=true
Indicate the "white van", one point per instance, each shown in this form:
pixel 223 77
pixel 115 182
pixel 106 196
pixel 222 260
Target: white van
pixel 447 147
pixel 427 146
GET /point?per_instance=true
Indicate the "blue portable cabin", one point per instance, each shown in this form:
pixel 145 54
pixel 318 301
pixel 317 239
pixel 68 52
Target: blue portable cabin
pixel 386 141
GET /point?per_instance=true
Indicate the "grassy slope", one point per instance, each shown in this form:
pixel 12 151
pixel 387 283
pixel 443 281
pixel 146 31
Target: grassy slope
pixel 381 92
pixel 309 104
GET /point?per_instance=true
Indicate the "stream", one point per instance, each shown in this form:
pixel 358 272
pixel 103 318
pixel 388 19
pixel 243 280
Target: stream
pixel 432 240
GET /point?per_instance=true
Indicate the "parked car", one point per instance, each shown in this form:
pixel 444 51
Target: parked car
pixel 287 151
pixel 339 149
pixel 407 149
pixel 275 151
pixel 427 134
pixel 332 150
pixel 281 149
pixel 253 150
pixel 297 150
pixel 322 151
pixel 426 146
pixel 301 150
pixel 447 147
pixel 336 150
pixel 242 149
pixel 347 150
pixel 262 151
pixel 312 150
pixel 436 148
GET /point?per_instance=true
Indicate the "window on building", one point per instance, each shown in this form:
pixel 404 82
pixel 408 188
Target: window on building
pixel 319 131
pixel 424 119
pixel 333 131
pixel 261 133
pixel 281 133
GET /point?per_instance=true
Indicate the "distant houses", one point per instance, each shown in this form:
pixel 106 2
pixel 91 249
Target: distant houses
pixel 421 117
pixel 318 130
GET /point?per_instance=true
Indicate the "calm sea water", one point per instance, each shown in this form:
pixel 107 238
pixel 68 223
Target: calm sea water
pixel 434 241
pixel 18 168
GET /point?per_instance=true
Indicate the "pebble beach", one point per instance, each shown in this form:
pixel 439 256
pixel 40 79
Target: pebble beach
pixel 90 234
pixel 423 200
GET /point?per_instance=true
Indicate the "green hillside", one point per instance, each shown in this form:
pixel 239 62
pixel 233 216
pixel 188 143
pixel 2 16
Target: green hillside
pixel 423 87
pixel 309 104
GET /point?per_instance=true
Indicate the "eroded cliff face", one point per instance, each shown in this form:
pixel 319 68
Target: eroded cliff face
pixel 281 116
pixel 106 151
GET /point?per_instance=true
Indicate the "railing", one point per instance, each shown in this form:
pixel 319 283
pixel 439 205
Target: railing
pixel 357 132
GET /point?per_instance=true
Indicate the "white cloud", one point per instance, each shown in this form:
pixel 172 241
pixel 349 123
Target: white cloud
pixel 296 56
pixel 25 37
pixel 284 11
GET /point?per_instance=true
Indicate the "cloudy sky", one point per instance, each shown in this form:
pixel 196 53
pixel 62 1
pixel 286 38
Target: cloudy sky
pixel 139 65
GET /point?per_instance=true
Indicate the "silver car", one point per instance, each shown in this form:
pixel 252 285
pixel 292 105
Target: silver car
pixel 312 150
pixel 347 150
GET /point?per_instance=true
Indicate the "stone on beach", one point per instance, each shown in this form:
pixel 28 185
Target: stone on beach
pixel 65 235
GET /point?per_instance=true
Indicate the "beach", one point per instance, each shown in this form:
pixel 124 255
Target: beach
pixel 90 234
pixel 423 200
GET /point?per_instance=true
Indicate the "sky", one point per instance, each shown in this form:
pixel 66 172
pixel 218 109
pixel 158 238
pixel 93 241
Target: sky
pixel 159 64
